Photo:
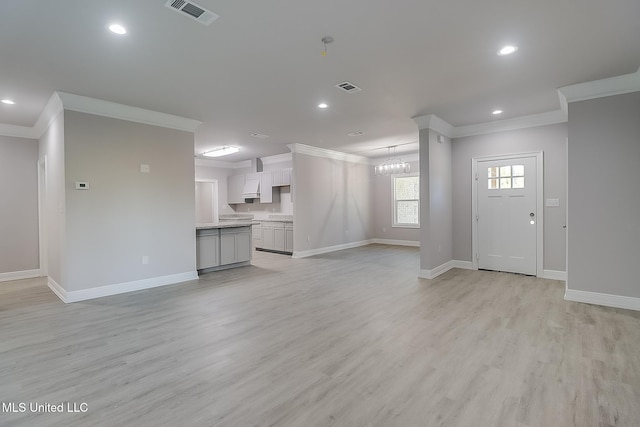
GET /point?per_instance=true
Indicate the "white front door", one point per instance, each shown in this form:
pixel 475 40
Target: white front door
pixel 507 217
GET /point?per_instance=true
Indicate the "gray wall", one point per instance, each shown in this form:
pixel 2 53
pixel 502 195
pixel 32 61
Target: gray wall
pixel 332 203
pixel 382 207
pixel 436 207
pixel 604 195
pixel 127 214
pixel 19 212
pixel 549 139
pixel 51 149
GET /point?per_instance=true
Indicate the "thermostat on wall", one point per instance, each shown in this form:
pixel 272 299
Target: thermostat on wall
pixel 82 185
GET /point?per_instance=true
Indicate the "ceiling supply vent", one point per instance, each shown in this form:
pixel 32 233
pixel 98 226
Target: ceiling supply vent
pixel 193 11
pixel 348 87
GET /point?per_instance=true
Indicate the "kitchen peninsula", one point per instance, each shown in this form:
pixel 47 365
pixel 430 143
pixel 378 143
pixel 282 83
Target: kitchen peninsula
pixel 222 245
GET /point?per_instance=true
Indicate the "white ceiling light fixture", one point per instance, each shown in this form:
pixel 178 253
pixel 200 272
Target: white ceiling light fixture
pixel 497 112
pixel 117 29
pixel 507 50
pixel 8 102
pixel 393 165
pixel 323 105
pixel 221 151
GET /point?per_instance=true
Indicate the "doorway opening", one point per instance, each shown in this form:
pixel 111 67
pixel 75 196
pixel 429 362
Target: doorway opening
pixel 507 213
pixel 206 201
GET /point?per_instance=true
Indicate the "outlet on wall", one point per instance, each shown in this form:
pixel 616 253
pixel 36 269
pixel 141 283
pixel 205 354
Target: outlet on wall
pixel 384 229
pixel 145 259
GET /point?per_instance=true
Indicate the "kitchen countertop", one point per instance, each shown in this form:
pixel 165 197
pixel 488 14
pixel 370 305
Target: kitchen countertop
pixel 275 220
pixel 225 224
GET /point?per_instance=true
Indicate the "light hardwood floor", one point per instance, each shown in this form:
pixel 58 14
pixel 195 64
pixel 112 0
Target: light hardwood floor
pixel 350 338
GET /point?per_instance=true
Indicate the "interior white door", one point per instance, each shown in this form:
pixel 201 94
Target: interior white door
pixel 507 217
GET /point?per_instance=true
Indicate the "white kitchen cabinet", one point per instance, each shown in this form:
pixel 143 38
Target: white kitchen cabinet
pixel 235 185
pixel 256 234
pixel 288 237
pixel 268 240
pixel 281 177
pixel 277 236
pixel 268 193
pixel 208 250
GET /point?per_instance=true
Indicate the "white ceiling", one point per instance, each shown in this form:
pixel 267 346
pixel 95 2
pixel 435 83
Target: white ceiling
pixel 259 67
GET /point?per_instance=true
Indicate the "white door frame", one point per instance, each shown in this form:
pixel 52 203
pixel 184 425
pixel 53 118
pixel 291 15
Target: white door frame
pixel 42 216
pixel 214 195
pixel 539 155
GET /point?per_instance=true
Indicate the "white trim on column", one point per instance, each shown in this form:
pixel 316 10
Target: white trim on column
pixel 606 300
pixel 431 121
pixel 441 269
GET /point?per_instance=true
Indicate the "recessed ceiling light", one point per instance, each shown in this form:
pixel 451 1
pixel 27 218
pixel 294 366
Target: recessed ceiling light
pixel 507 50
pixel 322 105
pixel 221 151
pixel 118 29
pixel 497 112
pixel 8 102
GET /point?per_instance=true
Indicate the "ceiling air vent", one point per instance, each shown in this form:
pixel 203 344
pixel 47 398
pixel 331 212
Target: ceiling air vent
pixel 193 11
pixel 348 87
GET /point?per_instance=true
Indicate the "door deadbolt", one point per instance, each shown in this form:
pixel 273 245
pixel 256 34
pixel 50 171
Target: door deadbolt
pixel 531 214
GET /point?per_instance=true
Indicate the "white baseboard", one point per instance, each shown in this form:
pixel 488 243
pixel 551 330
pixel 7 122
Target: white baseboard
pixel 607 300
pixel 18 275
pixel 554 275
pixel 441 269
pixel 327 249
pixel 119 288
pixel 465 265
pixel 396 242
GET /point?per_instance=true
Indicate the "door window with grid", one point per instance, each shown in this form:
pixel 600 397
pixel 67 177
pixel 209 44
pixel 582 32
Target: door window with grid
pixel 406 201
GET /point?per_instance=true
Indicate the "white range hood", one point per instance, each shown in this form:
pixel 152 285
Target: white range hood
pixel 251 188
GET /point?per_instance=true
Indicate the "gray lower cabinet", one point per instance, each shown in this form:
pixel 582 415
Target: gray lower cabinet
pixel 220 247
pixel 208 250
pixel 235 245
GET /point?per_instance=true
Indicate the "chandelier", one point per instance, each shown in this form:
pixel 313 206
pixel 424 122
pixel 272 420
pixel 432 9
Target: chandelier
pixel 393 165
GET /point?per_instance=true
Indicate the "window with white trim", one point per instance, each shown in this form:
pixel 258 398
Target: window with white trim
pixel 406 200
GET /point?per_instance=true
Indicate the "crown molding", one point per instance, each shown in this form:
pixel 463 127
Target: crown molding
pixel 212 163
pixel 523 122
pixel 278 158
pixel 113 110
pixel 49 113
pixel 328 154
pixel 618 85
pixel 17 131
pixel 431 121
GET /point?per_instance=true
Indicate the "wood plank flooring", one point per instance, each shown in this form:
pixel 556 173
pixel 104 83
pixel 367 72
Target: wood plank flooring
pixel 350 338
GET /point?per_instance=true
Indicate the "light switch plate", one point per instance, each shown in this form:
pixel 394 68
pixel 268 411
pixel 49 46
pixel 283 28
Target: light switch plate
pixel 81 185
pixel 553 203
pixel 145 168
